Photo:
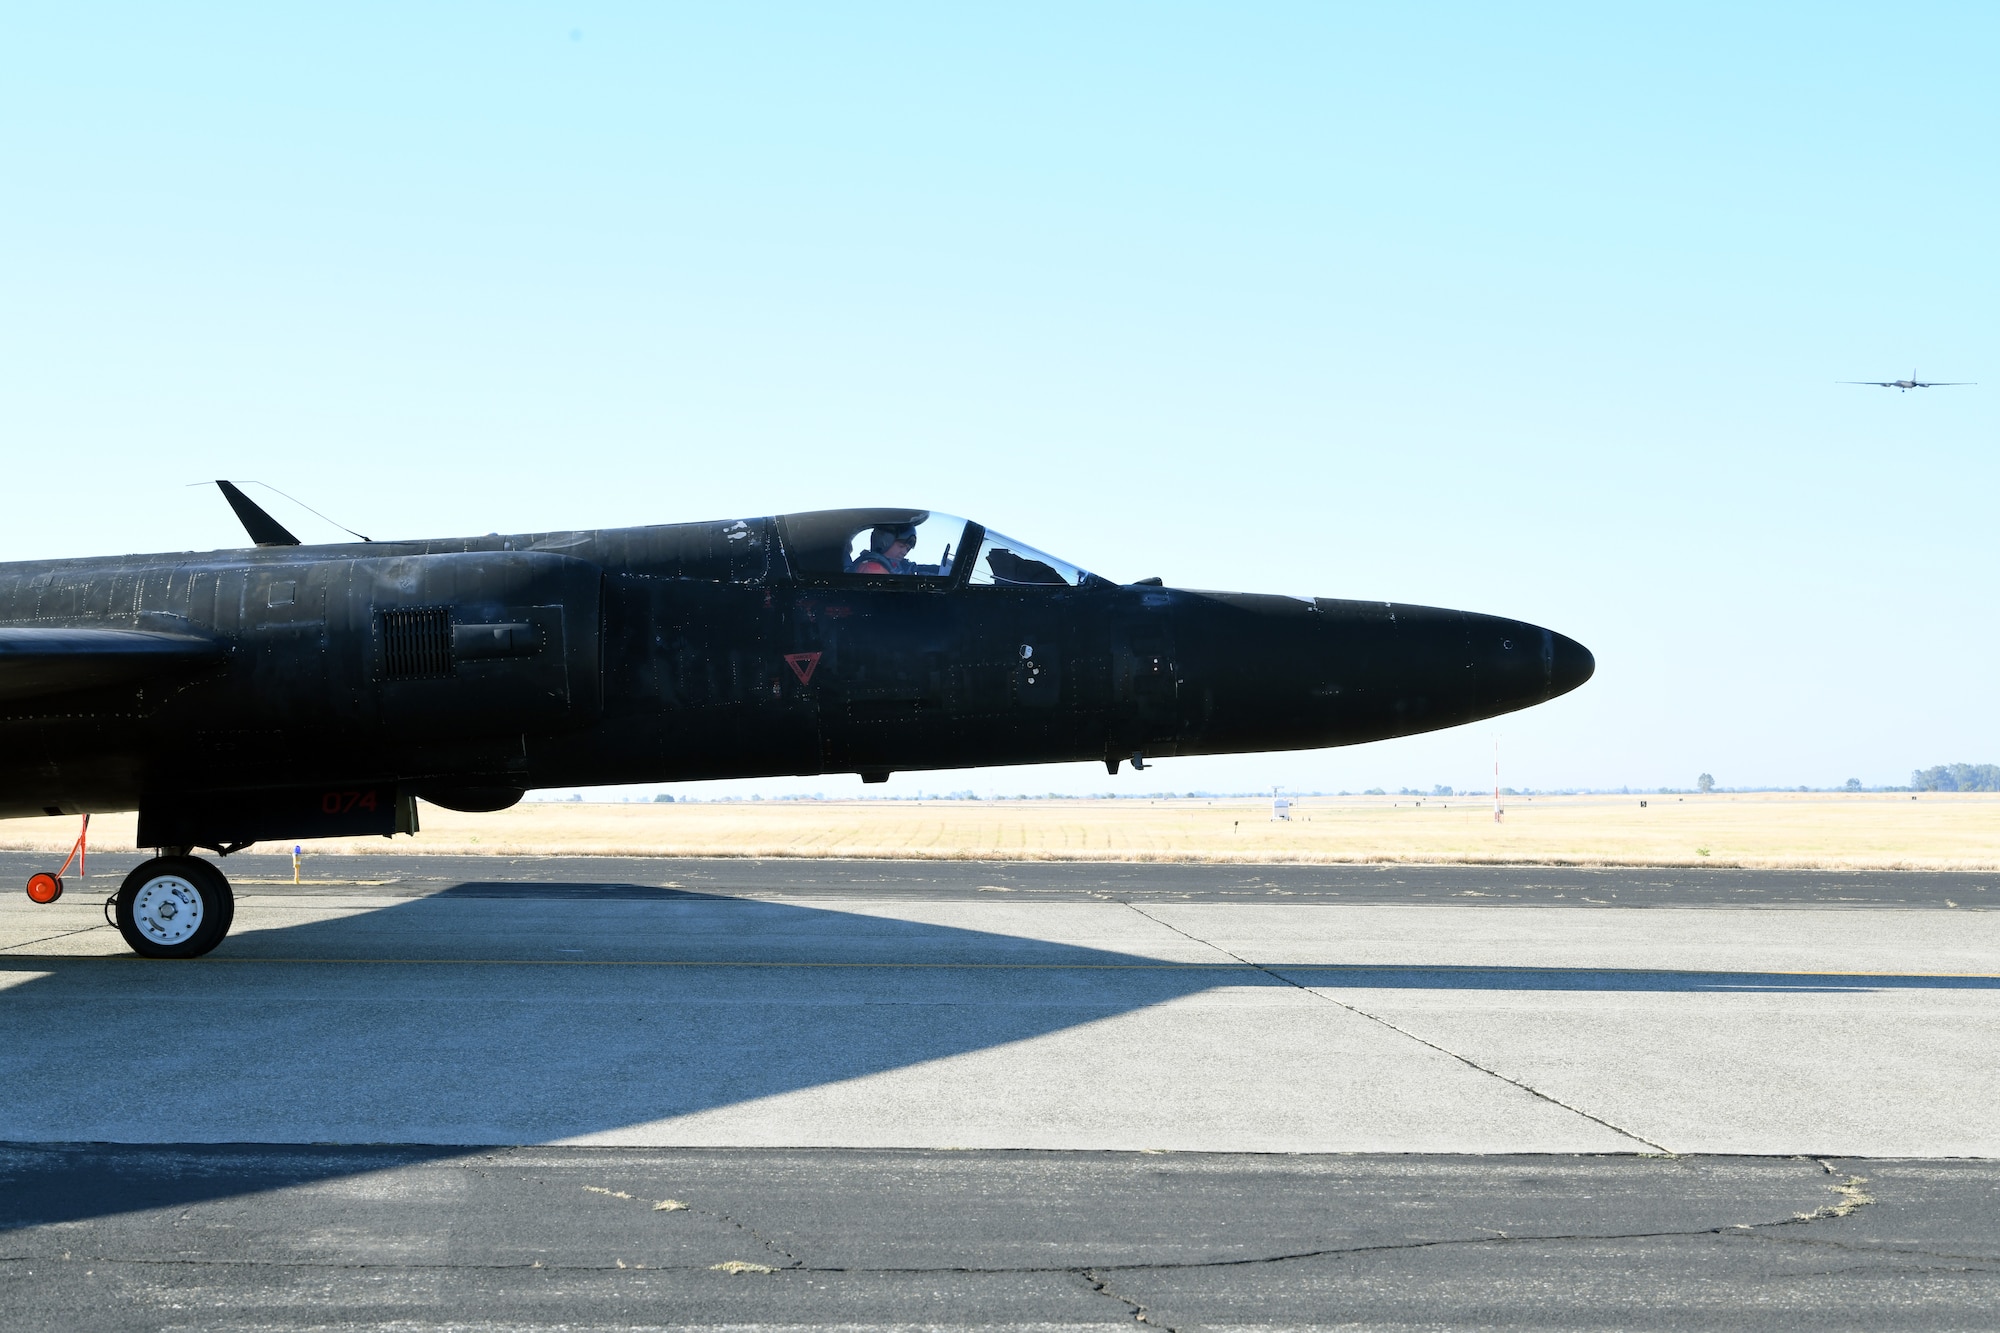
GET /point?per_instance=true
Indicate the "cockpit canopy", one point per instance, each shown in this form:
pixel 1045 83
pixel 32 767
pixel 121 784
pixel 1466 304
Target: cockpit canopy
pixel 892 545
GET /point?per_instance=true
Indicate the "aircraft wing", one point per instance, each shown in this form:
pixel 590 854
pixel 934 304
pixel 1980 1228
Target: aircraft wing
pixel 37 660
pixel 1880 384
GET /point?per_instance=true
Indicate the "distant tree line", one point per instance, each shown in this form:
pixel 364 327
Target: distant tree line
pixel 1957 777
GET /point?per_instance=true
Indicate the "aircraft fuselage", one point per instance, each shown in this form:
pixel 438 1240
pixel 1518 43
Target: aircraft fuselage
pixel 470 670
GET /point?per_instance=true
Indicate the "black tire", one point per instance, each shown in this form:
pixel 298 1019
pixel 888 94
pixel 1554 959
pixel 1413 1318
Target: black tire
pixel 175 907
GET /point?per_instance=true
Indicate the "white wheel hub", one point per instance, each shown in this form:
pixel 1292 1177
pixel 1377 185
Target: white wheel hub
pixel 167 909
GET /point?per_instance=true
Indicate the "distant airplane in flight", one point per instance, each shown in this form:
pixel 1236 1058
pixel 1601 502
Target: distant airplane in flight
pixel 1911 383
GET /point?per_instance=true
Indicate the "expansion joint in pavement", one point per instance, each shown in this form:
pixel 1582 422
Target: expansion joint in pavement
pixel 1467 1061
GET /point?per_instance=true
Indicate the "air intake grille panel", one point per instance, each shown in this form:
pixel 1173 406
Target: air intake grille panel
pixel 416 644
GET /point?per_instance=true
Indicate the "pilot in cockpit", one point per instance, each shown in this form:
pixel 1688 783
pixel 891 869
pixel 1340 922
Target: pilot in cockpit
pixel 888 552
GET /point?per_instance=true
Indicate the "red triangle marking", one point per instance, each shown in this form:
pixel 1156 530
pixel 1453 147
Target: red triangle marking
pixel 803 665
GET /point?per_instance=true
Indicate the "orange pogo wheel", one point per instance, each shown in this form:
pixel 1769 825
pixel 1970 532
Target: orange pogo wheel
pixel 44 888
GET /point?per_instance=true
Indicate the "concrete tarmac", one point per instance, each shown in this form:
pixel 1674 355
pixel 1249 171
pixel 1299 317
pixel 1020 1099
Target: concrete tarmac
pixel 702 1005
pixel 400 1238
pixel 853 1034
pixel 395 875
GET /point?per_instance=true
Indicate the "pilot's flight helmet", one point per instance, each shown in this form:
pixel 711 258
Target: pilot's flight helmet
pixel 888 535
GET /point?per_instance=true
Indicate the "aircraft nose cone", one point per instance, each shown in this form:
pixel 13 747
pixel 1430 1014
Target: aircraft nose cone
pixel 1570 664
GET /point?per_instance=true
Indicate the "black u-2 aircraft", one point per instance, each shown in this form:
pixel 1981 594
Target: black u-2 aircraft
pixel 290 691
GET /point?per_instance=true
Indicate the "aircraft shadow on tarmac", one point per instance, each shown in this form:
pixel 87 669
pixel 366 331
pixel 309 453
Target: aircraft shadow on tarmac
pixel 501 1013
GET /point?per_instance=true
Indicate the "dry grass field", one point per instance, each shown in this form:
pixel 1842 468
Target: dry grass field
pixel 1821 830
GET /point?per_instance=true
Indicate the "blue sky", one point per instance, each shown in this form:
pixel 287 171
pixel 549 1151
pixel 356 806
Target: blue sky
pixel 1536 312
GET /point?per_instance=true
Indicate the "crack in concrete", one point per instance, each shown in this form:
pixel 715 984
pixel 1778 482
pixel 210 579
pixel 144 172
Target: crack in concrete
pixel 1777 1230
pixel 791 1260
pixel 1852 1199
pixel 1467 1061
pixel 59 935
pixel 1103 1288
pixel 1092 1272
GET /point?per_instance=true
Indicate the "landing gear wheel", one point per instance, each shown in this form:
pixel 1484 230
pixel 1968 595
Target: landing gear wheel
pixel 175 907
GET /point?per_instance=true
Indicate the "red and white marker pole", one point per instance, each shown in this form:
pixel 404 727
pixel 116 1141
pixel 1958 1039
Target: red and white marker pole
pixel 1497 812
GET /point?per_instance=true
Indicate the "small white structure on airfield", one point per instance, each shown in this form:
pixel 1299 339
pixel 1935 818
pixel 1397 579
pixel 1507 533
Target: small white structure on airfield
pixel 1281 808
